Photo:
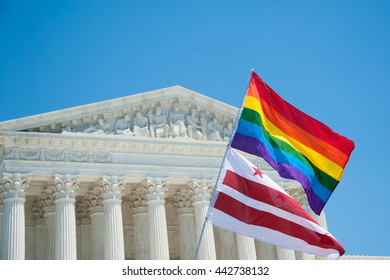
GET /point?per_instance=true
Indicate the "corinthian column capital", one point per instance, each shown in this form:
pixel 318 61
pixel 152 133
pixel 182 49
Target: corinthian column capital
pixel 95 199
pixel 83 209
pixel 182 200
pixel 202 189
pixel 113 186
pixel 156 188
pixel 47 197
pixel 137 199
pixel 65 185
pixel 15 185
pixel 37 211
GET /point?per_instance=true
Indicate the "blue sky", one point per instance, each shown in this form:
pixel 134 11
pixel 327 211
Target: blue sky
pixel 330 59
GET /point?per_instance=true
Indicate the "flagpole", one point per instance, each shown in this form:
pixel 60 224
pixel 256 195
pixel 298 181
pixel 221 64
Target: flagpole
pixel 213 196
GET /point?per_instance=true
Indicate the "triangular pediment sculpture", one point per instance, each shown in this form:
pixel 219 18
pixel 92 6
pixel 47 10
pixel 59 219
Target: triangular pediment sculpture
pixel 173 112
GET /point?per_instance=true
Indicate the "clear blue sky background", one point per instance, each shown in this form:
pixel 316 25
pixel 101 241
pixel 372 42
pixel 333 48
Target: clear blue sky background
pixel 330 59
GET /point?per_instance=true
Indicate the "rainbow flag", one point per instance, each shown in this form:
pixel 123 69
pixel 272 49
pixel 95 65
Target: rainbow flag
pixel 298 146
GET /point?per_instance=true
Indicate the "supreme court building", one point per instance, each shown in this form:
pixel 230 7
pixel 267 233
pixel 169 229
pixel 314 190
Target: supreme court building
pixel 128 178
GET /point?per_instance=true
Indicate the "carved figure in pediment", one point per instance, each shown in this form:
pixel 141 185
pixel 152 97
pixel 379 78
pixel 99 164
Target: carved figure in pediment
pixel 122 126
pixel 67 128
pixel 213 133
pixel 227 131
pixel 100 128
pixel 203 125
pixel 140 125
pixel 158 124
pixel 177 127
pixel 193 125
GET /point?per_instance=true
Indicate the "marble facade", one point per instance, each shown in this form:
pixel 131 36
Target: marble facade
pixel 128 178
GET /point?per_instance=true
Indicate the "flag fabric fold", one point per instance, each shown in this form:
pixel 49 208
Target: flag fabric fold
pixel 248 202
pixel 298 146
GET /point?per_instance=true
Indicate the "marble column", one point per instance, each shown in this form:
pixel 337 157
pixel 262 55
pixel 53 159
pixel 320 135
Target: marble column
pixel 245 247
pixel 158 233
pixel 95 197
pixel 97 234
pixel 84 225
pixel 40 240
pixel 138 202
pixel 113 186
pixel 85 228
pixel 66 186
pixel 46 201
pixel 50 221
pixel 40 231
pixel 202 193
pixel 182 202
pixel 265 251
pixel 14 187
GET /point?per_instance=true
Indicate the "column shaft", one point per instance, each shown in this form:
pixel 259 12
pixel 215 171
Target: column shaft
pixel 141 234
pixel 158 234
pixel 13 247
pixel 187 236
pixel 207 245
pixel 113 233
pixel 245 247
pixel 85 229
pixel 40 241
pixel 50 221
pixel 65 229
pixel 97 235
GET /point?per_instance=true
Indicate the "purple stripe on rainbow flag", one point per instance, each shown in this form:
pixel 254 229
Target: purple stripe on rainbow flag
pixel 256 147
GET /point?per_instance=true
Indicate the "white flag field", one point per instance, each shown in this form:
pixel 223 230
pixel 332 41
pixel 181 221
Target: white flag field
pixel 248 202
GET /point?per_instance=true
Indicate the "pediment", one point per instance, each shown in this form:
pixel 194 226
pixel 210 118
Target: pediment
pixel 167 113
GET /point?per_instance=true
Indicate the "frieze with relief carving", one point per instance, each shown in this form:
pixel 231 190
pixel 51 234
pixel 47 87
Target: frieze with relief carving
pixel 38 154
pixel 165 120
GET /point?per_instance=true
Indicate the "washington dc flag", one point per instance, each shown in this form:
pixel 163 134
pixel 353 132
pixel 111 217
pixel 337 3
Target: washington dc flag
pixel 248 202
pixel 298 146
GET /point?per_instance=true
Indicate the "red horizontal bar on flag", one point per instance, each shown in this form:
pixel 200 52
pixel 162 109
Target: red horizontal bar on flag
pixel 264 194
pixel 252 216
